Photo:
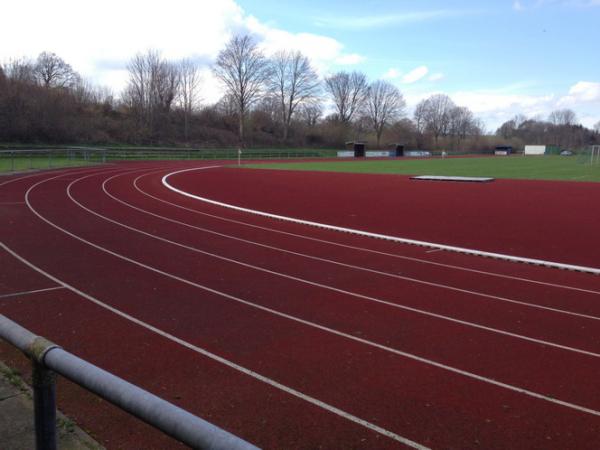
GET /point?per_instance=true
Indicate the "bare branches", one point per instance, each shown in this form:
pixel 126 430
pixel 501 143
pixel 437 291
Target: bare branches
pixel 562 117
pixel 153 87
pixel 348 91
pixel 52 71
pixel 433 115
pixel 293 82
pixel 189 76
pixel 384 104
pixel 243 70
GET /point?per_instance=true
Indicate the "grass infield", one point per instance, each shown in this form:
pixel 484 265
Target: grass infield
pixel 516 167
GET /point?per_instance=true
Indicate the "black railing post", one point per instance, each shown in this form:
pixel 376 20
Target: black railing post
pixel 44 404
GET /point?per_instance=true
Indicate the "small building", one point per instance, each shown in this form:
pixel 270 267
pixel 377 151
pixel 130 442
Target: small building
pixel 535 150
pixel 397 150
pixel 358 147
pixel 503 150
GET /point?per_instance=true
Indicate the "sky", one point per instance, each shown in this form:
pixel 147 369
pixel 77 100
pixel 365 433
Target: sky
pixel 499 57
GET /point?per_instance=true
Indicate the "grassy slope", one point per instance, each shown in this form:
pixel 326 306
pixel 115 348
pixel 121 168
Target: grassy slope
pixel 528 167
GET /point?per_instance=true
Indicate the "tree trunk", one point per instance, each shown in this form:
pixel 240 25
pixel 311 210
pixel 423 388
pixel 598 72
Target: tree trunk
pixel 241 129
pixel 186 125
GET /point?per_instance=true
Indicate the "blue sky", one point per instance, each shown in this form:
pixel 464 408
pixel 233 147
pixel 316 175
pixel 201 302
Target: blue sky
pixel 499 48
pixel 499 58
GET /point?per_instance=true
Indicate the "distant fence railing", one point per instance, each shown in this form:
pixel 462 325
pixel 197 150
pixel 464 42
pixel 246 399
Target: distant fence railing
pixel 49 359
pixel 22 159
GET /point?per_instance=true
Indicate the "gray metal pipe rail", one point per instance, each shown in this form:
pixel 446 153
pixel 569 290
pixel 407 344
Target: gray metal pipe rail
pixel 48 359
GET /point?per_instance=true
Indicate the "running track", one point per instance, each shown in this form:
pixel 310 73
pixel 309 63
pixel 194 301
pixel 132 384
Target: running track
pixel 293 336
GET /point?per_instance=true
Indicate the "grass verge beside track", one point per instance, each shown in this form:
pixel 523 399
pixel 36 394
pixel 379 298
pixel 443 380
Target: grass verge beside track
pixel 516 167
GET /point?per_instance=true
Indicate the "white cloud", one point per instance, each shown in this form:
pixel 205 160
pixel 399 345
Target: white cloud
pixel 391 74
pixel 350 59
pixel 436 76
pixel 323 51
pixel 415 75
pixel 582 92
pixel 98 39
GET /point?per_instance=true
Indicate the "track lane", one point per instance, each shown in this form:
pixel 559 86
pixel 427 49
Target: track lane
pixel 470 216
pixel 178 235
pixel 223 218
pixel 181 375
pixel 168 290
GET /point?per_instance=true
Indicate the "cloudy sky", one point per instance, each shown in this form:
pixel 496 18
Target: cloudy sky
pixel 498 57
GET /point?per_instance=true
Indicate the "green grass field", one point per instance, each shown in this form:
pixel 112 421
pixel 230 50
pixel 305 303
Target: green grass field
pixel 39 163
pixel 519 167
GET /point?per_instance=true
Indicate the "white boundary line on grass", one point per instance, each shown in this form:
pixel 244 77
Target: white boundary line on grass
pixel 450 248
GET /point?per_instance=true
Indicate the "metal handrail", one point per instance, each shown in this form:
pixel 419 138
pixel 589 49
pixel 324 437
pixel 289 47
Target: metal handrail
pixel 49 359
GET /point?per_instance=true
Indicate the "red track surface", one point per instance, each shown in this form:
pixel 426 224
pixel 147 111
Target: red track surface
pixel 507 216
pixel 316 329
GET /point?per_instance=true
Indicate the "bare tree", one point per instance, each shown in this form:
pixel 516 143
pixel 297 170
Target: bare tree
pixel 434 115
pixel 20 70
pixel 463 124
pixel 53 71
pixel 243 70
pixel 597 127
pixel 384 104
pixel 348 91
pixel 311 113
pixel 188 93
pixel 562 117
pixel 152 88
pixel 293 82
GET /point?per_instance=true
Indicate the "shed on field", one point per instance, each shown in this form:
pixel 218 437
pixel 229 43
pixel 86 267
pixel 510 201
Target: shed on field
pixel 397 149
pixel 358 147
pixel 535 149
pixel 503 150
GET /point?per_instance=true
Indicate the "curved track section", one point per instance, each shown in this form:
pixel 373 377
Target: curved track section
pixel 401 240
pixel 293 336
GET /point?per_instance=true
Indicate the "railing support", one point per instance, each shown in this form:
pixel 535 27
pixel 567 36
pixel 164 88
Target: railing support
pixel 44 403
pixel 48 359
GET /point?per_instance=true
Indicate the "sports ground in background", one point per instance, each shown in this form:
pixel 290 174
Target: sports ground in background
pixel 573 168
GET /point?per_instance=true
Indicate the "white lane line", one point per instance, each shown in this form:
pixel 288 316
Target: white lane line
pixel 434 250
pixel 450 248
pixel 18 294
pixel 329 261
pixel 361 249
pixel 307 398
pixel 312 324
pixel 342 291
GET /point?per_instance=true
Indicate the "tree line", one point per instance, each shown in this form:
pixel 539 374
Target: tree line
pixel 278 100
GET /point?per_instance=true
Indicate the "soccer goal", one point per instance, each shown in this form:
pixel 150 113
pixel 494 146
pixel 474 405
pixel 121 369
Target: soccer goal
pixel 595 154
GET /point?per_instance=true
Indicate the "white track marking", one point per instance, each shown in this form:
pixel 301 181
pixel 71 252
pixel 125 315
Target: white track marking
pixel 45 172
pixel 17 294
pixel 450 248
pixel 329 261
pixel 327 407
pixel 361 249
pixel 334 289
pixel 312 324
